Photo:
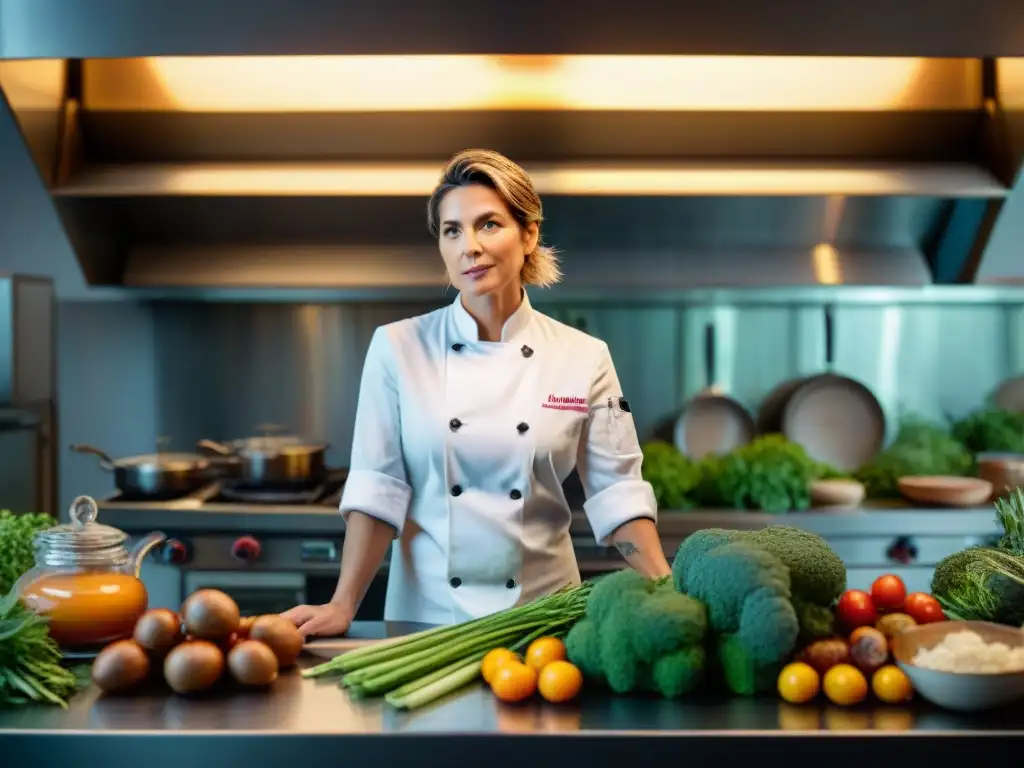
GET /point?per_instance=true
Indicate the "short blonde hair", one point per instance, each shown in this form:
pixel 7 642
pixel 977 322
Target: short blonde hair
pixel 513 184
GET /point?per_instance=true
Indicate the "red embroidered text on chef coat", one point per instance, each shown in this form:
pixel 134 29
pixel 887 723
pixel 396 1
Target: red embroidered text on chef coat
pixel 559 403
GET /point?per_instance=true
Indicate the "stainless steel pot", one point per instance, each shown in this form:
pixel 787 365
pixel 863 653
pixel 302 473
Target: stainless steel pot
pixel 272 460
pixel 158 475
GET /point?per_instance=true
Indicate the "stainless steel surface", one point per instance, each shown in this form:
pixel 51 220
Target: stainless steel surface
pixel 274 27
pixel 161 185
pixel 308 539
pixel 272 460
pixel 28 392
pixel 35 90
pixel 712 422
pixel 155 476
pixel 256 594
pixel 998 260
pixel 300 364
pixel 21 478
pixel 299 709
pixel 832 437
pixel 192 270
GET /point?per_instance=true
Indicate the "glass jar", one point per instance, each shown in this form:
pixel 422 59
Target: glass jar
pixel 85 580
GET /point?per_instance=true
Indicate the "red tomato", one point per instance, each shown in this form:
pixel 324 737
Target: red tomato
pixel 888 592
pixel 923 608
pixel 855 609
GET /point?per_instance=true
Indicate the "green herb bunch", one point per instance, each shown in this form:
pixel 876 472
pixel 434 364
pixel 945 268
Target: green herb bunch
pixel 920 447
pixel 17 548
pixel 30 660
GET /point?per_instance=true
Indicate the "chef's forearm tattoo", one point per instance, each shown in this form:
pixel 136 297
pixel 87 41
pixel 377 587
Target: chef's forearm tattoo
pixel 626 548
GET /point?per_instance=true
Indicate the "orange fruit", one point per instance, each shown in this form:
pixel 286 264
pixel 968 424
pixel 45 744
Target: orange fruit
pixel 514 681
pixel 891 685
pixel 845 685
pixel 495 659
pixel 798 683
pixel 559 681
pixel 543 651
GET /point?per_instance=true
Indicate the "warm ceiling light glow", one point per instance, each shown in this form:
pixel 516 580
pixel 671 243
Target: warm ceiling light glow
pixel 417 179
pixel 826 266
pixel 383 83
pixel 33 84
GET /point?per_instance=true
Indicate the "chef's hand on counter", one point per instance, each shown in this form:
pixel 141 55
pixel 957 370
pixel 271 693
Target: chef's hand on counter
pixel 367 540
pixel 639 543
pixel 327 620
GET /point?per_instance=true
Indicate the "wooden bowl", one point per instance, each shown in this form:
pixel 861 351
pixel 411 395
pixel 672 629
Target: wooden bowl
pixel 836 493
pixel 1004 471
pixel 964 692
pixel 946 491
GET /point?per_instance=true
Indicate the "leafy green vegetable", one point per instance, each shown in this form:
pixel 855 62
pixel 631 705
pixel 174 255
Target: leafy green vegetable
pixel 30 669
pixel 770 473
pixel 987 583
pixel 1010 514
pixel 990 587
pixel 920 447
pixel 991 429
pixel 17 551
pixel 673 476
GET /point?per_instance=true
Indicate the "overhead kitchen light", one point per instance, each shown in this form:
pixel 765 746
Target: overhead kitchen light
pixel 255 84
pixel 255 172
pixel 417 179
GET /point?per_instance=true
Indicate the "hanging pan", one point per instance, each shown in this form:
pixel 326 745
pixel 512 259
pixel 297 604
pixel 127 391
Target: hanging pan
pixel 837 419
pixel 712 422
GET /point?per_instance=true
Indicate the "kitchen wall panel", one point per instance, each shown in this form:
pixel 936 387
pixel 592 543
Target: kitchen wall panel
pixel 130 372
pixel 226 369
pixel 223 369
pixel 107 378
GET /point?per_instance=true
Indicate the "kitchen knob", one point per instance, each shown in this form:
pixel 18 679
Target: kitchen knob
pixel 903 551
pixel 174 552
pixel 246 548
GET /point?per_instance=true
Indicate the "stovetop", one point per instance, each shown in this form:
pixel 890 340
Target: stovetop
pixel 222 494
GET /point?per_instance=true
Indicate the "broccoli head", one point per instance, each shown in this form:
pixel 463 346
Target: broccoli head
pixel 765 591
pixel 817 574
pixel 640 634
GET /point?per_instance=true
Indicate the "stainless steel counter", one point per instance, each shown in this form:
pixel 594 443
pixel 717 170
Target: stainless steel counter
pixel 307 539
pixel 873 520
pixel 304 721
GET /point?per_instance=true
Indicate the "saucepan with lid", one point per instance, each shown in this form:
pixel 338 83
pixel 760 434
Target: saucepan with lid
pixel 272 459
pixel 160 475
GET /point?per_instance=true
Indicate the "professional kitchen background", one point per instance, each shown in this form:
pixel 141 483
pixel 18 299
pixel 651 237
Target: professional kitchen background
pixel 201 292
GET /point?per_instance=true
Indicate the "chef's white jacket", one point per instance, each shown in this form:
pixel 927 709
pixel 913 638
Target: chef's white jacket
pixel 462 445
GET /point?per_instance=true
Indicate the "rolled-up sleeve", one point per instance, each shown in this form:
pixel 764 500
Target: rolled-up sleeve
pixel 610 458
pixel 377 484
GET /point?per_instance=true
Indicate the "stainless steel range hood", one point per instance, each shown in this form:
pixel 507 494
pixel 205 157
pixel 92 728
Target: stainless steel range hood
pixel 659 173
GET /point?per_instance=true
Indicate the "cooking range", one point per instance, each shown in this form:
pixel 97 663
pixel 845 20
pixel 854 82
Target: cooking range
pixel 255 517
pixel 270 548
pixel 269 534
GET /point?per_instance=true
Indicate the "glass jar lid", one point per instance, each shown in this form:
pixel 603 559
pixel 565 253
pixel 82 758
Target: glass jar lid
pixel 83 542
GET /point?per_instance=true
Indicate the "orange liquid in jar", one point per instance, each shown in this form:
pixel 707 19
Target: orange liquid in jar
pixel 88 608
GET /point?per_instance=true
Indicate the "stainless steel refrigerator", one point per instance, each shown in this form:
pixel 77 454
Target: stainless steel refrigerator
pixel 28 395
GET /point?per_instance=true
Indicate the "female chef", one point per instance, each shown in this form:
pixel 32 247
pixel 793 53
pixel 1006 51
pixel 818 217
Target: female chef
pixel 470 417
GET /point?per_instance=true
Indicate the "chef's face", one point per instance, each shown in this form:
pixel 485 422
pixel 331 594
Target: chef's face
pixel 482 245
